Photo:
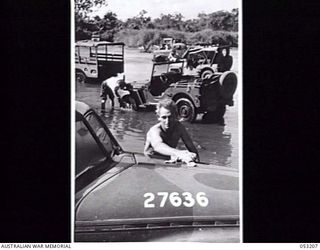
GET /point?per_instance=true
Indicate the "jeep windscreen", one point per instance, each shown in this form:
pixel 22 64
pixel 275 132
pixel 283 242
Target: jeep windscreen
pixel 165 67
pixel 105 139
pixel 163 74
pixel 94 143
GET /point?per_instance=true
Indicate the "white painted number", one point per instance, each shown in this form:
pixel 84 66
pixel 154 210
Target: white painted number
pixel 202 199
pixel 164 198
pixel 148 200
pixel 176 200
pixel 189 201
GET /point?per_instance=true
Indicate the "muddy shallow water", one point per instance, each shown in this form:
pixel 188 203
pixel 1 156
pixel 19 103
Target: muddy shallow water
pixel 216 144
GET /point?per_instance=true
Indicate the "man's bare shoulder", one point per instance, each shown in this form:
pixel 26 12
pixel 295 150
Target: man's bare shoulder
pixel 154 129
pixel 153 134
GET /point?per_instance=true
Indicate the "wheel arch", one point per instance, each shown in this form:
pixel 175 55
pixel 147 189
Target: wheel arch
pixel 183 95
pixel 80 71
pixel 206 68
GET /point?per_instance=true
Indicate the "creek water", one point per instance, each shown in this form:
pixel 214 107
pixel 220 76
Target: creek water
pixel 218 145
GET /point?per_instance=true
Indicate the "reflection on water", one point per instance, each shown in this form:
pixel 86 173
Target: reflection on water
pixel 212 141
pixel 129 127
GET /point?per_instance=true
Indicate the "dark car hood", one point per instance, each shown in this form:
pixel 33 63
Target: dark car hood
pixel 122 198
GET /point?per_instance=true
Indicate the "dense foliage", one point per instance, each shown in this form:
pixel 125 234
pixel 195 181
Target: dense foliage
pixel 141 30
pixel 149 37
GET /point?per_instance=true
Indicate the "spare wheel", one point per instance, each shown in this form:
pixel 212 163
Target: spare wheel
pixel 228 81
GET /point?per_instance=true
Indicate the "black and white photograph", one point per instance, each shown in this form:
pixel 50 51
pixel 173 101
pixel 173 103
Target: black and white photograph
pixel 157 135
pixel 160 124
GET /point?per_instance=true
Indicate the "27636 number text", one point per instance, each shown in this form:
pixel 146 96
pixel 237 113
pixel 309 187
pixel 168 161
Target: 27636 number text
pixel 185 199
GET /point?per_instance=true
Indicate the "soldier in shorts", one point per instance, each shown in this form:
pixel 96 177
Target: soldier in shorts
pixel 106 92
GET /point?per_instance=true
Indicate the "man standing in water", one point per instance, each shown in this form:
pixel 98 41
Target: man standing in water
pixel 163 137
pixel 106 92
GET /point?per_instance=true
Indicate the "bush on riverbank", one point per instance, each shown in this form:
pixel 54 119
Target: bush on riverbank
pixel 211 36
pixel 149 37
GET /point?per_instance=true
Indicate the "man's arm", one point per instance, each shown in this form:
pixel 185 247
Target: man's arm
pixel 155 140
pixel 147 147
pixel 116 91
pixel 188 141
pixel 102 90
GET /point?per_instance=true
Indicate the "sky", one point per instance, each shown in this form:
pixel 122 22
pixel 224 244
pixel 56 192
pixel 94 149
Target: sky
pixel 188 8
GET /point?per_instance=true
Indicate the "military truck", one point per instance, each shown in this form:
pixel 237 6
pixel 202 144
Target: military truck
pixel 98 60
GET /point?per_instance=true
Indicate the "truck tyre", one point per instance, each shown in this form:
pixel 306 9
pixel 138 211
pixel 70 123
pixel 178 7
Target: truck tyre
pixel 186 110
pixel 80 77
pixel 206 73
pixel 215 116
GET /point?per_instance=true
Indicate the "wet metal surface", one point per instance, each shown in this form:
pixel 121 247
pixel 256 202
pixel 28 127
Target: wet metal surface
pixel 216 144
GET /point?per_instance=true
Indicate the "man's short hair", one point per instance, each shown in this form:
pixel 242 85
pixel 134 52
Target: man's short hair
pixel 169 104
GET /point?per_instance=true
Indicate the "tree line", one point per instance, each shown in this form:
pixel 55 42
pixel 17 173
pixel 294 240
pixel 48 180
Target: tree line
pixel 142 30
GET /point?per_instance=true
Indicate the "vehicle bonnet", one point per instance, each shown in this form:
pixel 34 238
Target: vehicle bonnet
pixel 123 197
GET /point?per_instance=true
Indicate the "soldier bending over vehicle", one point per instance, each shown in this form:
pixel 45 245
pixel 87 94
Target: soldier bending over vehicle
pixel 163 137
pixel 106 91
pixel 123 93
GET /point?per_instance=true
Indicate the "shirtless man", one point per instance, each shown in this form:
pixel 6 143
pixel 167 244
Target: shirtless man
pixel 163 137
pixel 106 92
